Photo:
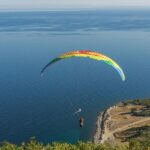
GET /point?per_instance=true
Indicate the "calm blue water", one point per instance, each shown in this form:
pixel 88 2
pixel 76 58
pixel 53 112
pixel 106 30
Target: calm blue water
pixel 43 107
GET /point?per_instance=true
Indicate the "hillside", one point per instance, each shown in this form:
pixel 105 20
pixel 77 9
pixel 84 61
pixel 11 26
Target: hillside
pixel 123 122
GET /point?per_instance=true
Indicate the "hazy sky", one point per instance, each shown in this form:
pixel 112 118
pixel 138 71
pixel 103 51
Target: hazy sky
pixel 61 4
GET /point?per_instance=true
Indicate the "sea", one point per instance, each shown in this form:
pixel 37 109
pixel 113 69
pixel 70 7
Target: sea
pixel 43 107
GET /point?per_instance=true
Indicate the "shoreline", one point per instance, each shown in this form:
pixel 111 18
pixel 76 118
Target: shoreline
pixel 100 126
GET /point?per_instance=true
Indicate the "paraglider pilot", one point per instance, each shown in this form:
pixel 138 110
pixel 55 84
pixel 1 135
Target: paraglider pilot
pixel 81 122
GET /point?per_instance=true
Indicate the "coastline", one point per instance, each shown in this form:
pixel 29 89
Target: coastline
pixel 117 119
pixel 100 126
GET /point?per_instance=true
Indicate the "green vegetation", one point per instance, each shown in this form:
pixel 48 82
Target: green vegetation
pixel 137 133
pixel 144 102
pixel 34 145
pixel 143 112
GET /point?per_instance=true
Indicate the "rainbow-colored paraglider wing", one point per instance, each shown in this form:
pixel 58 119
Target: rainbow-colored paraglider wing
pixel 91 55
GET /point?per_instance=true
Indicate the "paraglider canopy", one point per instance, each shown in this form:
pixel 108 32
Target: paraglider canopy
pixel 88 54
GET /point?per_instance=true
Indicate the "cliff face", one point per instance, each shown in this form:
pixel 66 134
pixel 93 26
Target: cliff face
pixel 122 122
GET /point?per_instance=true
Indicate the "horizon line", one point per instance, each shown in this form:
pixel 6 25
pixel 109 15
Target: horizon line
pixel 76 9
